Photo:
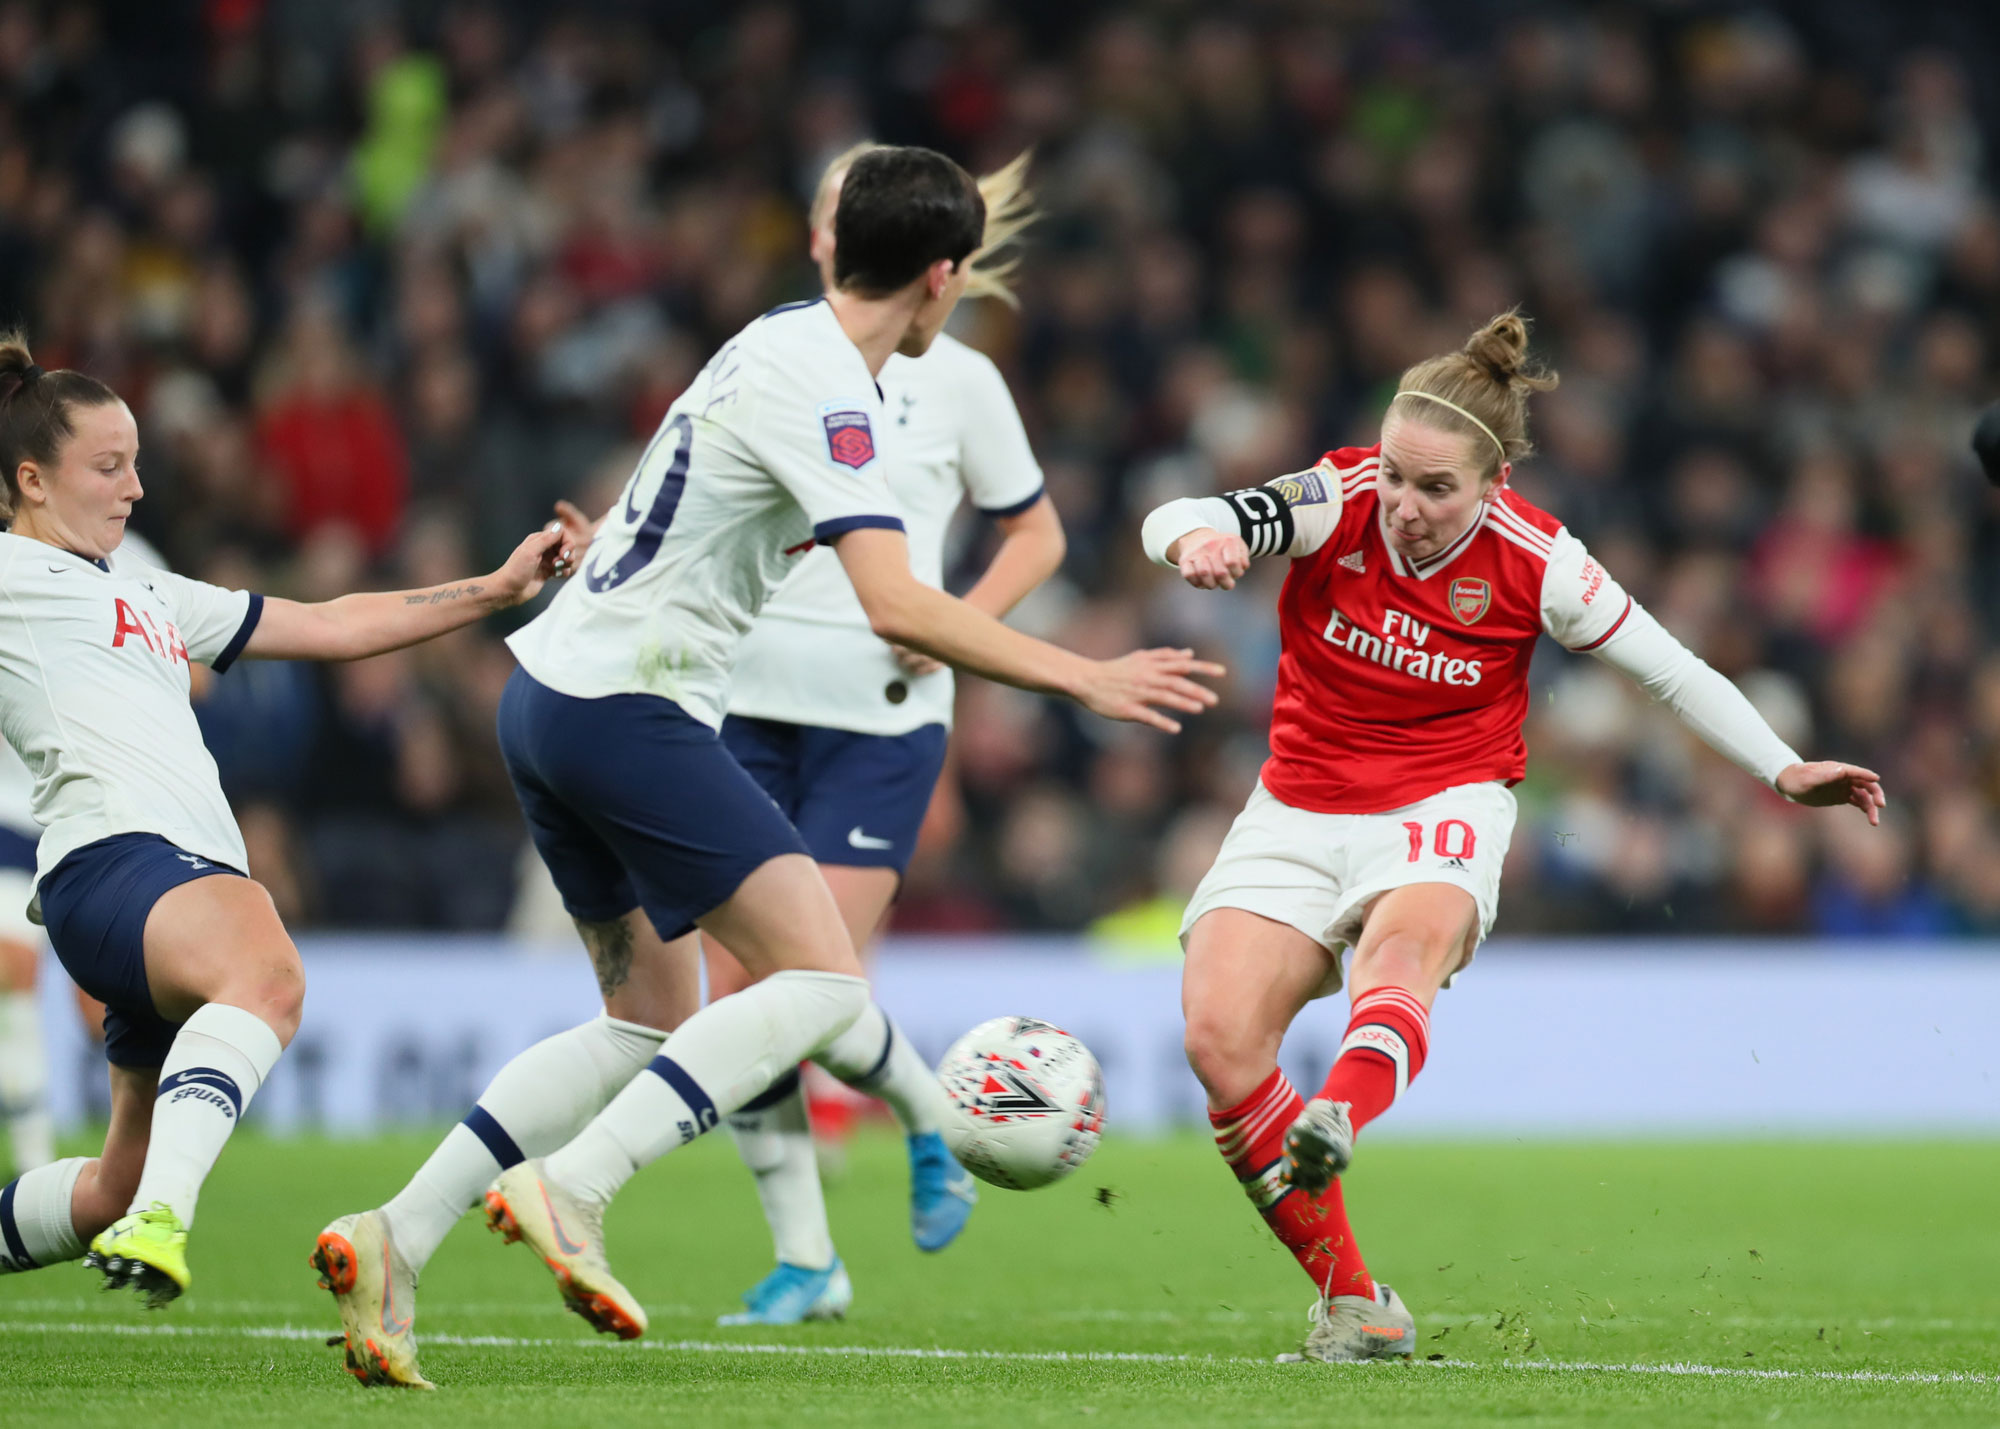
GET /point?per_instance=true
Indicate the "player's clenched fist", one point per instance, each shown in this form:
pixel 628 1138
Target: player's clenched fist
pixel 1129 687
pixel 1210 560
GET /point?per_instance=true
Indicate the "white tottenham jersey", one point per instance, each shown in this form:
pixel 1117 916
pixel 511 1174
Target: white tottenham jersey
pixel 94 697
pixel 776 444
pixel 17 785
pixel 812 658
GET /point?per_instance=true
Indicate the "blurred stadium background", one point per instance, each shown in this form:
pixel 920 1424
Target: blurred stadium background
pixel 384 280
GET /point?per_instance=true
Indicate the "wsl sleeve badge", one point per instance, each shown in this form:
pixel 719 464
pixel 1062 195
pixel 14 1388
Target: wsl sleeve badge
pixel 1027 1101
pixel 850 440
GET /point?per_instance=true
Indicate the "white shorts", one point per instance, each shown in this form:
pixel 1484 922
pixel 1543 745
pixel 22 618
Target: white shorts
pixel 1321 873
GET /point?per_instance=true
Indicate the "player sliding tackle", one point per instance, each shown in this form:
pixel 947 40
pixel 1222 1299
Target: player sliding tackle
pixel 1418 587
pixel 139 878
pixel 648 825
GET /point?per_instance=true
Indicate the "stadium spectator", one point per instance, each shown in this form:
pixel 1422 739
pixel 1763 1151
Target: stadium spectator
pixel 373 274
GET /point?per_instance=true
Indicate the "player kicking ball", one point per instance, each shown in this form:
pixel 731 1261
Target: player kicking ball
pixel 649 826
pixel 140 880
pixel 848 734
pixel 1418 587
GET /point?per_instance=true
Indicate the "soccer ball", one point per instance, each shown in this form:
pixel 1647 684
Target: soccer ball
pixel 1028 1100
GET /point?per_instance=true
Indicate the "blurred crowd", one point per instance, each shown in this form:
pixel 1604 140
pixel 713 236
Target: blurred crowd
pixel 383 281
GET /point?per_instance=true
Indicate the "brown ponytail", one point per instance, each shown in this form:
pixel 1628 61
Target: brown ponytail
pixel 35 409
pixel 1490 378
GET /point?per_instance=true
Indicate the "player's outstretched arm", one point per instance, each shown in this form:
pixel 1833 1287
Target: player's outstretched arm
pixel 1032 546
pixel 373 622
pixel 905 611
pixel 1708 703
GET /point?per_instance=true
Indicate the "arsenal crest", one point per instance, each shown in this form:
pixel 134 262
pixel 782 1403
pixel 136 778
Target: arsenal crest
pixel 1469 598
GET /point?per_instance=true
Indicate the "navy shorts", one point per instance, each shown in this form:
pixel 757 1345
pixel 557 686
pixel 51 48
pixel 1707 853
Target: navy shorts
pixel 856 799
pixel 634 803
pixel 94 905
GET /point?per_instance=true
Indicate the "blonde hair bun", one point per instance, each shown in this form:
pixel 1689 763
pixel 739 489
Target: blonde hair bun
pixel 1481 390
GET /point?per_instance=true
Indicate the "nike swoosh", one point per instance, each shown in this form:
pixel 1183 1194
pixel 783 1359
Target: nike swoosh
pixel 58 570
pixel 857 839
pixel 390 1321
pixel 563 1242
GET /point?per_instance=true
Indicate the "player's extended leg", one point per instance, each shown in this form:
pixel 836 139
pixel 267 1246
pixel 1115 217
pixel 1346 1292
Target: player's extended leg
pixel 219 962
pixel 785 927
pixel 49 1214
pixel 1246 978
pixel 773 1135
pixel 371 1260
pixel 874 1056
pixel 1414 938
pixel 24 1068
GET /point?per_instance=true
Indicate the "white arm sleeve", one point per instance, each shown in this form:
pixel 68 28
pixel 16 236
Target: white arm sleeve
pixel 1588 611
pixel 1706 701
pixel 1291 514
pixel 1167 524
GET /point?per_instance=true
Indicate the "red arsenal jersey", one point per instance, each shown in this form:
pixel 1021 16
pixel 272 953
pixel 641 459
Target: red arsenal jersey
pixel 1400 679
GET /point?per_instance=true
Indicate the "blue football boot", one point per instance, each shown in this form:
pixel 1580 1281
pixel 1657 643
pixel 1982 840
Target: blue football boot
pixel 792 1294
pixel 942 1193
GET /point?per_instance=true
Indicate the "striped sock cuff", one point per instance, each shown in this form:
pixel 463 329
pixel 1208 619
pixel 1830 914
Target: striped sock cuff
pixel 13 1250
pixel 699 1104
pixel 1244 1125
pixel 1403 1002
pixel 1394 1025
pixel 501 1146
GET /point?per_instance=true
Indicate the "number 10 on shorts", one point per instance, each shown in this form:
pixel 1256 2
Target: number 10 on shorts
pixel 1454 839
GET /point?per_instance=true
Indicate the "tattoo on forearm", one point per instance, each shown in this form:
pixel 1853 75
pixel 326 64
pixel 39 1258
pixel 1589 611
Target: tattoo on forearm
pixel 443 594
pixel 610 947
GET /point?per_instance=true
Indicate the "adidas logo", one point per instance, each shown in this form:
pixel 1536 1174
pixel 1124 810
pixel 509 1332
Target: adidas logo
pixel 1353 561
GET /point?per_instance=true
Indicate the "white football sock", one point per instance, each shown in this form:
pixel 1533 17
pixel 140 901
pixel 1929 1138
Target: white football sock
pixel 874 1056
pixel 533 1105
pixel 24 1082
pixel 35 1228
pixel 774 1137
pixel 714 1062
pixel 216 1063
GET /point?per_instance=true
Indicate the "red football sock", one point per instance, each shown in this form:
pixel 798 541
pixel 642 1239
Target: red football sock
pixel 1251 1138
pixel 1388 1038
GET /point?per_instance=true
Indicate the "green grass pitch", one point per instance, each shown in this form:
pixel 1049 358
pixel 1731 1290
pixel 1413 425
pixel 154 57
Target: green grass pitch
pixel 1600 1284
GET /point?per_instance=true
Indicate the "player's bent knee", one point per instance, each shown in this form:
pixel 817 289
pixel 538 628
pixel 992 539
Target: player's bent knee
pixel 1227 1061
pixel 276 994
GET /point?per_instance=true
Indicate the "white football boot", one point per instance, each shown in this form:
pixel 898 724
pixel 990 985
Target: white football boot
pixel 568 1234
pixel 1319 1146
pixel 377 1294
pixel 1358 1327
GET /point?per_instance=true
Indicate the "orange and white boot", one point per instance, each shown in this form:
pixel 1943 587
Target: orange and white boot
pixel 568 1234
pixel 377 1294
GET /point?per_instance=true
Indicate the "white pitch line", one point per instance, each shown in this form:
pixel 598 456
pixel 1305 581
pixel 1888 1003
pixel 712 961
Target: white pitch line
pixel 728 1347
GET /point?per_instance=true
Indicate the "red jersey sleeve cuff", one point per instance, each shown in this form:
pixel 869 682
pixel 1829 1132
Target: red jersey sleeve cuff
pixel 1616 626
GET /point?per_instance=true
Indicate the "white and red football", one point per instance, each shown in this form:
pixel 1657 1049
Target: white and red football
pixel 1028 1100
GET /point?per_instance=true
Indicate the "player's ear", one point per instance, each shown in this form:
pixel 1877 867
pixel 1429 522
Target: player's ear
pixel 28 479
pixel 939 278
pixel 1499 481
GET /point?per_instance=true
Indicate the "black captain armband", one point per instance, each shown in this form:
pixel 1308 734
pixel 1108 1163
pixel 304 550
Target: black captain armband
pixel 1265 517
